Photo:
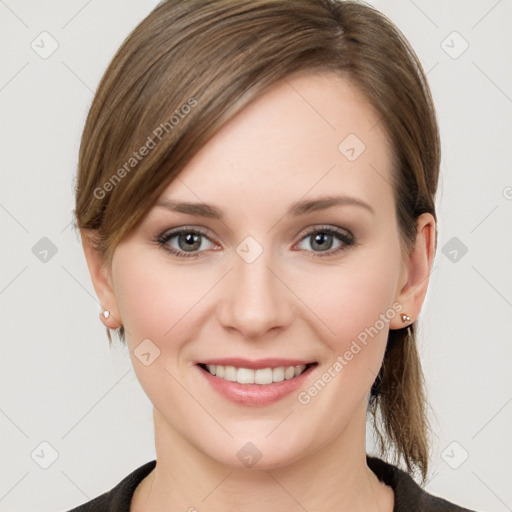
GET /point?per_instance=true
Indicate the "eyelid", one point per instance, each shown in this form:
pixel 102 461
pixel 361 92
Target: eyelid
pixel 323 227
pixel 172 232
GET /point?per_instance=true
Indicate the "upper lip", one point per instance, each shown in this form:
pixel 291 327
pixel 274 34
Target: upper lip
pixel 255 364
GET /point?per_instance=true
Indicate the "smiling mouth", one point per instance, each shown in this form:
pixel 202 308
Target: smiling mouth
pixel 262 376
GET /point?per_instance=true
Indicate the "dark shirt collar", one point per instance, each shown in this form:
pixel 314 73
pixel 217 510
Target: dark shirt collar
pixel 409 496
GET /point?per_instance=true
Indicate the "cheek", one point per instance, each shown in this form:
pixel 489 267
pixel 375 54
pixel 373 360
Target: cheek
pixel 160 304
pixel 352 297
pixel 154 301
pixel 354 304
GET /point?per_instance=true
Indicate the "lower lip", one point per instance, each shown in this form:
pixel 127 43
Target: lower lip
pixel 255 395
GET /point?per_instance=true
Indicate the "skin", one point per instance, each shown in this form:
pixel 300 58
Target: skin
pixel 281 148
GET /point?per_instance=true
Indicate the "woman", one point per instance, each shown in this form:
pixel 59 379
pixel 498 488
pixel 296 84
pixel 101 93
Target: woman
pixel 255 196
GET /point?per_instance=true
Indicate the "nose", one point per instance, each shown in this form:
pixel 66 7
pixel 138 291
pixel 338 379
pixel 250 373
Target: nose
pixel 254 299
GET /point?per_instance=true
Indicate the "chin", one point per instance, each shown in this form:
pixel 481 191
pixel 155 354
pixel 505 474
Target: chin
pixel 258 453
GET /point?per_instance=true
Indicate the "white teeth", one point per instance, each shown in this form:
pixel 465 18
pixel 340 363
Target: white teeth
pixel 278 374
pixel 245 376
pixel 260 376
pixel 230 373
pixel 263 376
pixel 289 373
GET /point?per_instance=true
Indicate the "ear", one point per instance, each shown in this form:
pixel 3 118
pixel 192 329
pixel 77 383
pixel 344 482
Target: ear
pixel 415 274
pixel 101 279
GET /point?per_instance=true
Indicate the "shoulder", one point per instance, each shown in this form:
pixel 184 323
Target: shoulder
pixel 408 494
pixel 119 497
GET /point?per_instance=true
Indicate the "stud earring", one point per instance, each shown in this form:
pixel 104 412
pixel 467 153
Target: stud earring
pixel 406 318
pixel 106 313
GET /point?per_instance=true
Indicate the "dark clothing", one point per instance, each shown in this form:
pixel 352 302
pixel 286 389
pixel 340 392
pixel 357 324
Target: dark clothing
pixel 409 496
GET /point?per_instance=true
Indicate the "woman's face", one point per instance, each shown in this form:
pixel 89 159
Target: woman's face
pixel 268 278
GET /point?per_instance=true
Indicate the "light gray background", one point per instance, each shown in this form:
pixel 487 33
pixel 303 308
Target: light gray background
pixel 60 383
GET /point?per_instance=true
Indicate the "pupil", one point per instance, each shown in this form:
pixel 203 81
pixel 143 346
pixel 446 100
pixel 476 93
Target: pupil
pixel 321 240
pixel 191 240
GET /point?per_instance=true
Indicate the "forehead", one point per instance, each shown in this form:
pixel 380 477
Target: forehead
pixel 309 135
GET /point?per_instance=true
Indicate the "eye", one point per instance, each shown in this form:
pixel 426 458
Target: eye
pixel 321 240
pixel 188 241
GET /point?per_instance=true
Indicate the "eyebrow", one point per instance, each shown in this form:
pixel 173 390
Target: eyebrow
pixel 297 209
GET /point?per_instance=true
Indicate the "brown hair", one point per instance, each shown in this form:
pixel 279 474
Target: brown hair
pixel 189 67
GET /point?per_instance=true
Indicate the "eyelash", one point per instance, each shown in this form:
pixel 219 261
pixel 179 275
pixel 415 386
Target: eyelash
pixel 345 237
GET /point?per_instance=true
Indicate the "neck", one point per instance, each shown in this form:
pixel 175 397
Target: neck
pixel 335 478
